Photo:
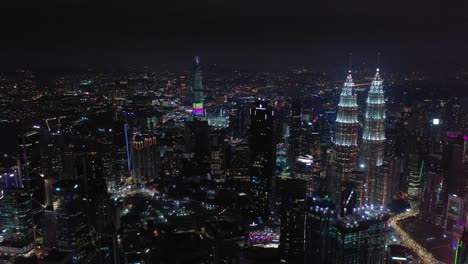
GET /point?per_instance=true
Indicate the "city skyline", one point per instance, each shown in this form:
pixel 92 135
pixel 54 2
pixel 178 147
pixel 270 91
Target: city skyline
pixel 235 132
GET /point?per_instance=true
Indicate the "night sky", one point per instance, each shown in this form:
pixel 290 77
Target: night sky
pixel 420 35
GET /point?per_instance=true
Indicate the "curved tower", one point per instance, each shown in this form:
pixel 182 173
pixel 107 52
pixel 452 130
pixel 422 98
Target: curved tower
pixel 373 139
pixel 346 136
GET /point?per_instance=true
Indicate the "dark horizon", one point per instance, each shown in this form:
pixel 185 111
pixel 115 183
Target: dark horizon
pixel 427 36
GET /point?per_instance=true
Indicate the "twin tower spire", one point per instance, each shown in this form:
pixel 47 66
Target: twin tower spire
pixel 346 141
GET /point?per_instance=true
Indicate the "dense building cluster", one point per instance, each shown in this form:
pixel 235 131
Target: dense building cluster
pixel 220 166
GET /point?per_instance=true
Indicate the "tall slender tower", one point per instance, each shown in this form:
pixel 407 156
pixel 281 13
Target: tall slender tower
pixel 197 88
pixel 345 141
pixel 374 139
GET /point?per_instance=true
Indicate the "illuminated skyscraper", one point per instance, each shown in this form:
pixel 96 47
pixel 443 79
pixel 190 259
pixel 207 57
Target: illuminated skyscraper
pixel 72 232
pixel 197 88
pixel 16 220
pixel 346 136
pixel 292 240
pixel 144 157
pixel 360 237
pixel 373 138
pixel 261 156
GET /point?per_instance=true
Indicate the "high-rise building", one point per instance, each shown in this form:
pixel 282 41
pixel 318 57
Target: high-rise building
pixel 239 162
pixel 261 156
pixel 217 151
pixel 71 229
pixel 434 196
pixel 461 256
pixel 144 157
pixel 292 239
pixel 360 237
pixel 197 147
pixel 239 117
pixel 415 174
pixel 304 170
pixel 94 189
pixel 16 222
pixel 29 157
pixel 321 216
pixel 295 132
pixel 373 138
pixel 197 88
pixel 346 136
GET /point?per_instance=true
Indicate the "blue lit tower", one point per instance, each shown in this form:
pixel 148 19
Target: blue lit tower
pixel 373 138
pixel 346 136
pixel 197 88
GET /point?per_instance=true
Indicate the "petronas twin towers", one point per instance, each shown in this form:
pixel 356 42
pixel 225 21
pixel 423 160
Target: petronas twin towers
pixel 349 182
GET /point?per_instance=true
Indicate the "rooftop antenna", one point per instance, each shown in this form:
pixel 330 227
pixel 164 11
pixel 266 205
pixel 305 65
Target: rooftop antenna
pixel 378 60
pixel 350 61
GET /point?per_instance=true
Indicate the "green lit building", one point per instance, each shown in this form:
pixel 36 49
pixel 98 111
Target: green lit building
pixel 461 256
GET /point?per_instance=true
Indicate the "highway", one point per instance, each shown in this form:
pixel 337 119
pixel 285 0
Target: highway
pixel 407 241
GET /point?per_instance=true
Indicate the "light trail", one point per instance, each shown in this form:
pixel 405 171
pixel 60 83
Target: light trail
pixel 408 241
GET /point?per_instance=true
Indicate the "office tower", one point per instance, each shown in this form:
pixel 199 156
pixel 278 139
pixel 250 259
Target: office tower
pixel 71 228
pixel 455 214
pixel 219 118
pixel 144 157
pixel 373 138
pixel 239 118
pixel 239 163
pixel 321 216
pixel 415 174
pixel 197 147
pixel 382 188
pixel 261 156
pixel 96 199
pixel 120 154
pixel 304 170
pixel 454 152
pixel 281 157
pixel 295 133
pixel 197 88
pixel 172 163
pixel 396 181
pixel 16 222
pixel 353 193
pixel 316 151
pixel 461 255
pixel 345 141
pixel 29 157
pixel 434 196
pixel 293 195
pixel 360 237
pixel 280 112
pixel 217 152
pixel 417 148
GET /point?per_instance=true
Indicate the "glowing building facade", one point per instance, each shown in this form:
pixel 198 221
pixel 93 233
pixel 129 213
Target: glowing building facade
pixel 197 88
pixel 373 138
pixel 346 136
pixel 145 158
